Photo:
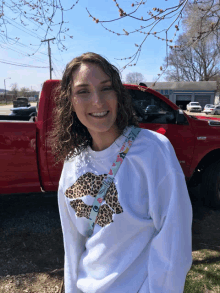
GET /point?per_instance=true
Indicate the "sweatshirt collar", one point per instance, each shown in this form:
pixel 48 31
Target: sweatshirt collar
pixel 112 149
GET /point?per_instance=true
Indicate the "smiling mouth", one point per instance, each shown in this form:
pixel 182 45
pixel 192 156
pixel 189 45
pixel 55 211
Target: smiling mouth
pixel 99 115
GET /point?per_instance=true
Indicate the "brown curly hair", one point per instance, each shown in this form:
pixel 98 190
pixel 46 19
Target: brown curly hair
pixel 69 137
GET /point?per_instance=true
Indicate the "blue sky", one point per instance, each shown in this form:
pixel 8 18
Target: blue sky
pixel 87 36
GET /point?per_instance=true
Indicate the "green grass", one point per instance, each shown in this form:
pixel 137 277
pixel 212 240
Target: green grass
pixel 204 275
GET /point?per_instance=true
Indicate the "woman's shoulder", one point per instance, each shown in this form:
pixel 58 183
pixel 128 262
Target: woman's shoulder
pixel 156 147
pixel 154 136
pixel 153 139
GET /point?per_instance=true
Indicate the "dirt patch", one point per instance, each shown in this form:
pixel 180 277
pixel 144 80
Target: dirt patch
pixel 31 244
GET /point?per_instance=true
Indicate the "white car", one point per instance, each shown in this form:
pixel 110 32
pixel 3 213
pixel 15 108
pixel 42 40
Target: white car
pixel 216 110
pixel 208 108
pixel 194 106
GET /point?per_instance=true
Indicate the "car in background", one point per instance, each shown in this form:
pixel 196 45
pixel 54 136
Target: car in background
pixel 216 110
pixel 23 111
pixel 21 102
pixel 194 106
pixel 208 108
pixel 150 109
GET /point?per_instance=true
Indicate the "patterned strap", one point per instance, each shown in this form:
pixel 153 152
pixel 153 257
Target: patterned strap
pixel 107 181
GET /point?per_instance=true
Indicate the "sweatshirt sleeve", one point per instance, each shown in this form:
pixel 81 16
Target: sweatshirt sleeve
pixel 170 255
pixel 74 245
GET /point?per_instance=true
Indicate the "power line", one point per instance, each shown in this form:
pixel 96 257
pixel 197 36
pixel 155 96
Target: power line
pixel 18 51
pixel 27 19
pixel 20 64
pixel 57 69
pixel 29 32
pixel 21 44
pixel 54 69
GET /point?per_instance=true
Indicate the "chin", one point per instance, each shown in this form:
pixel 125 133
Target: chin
pixel 103 128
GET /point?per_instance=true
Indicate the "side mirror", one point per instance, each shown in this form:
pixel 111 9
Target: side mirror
pixel 180 118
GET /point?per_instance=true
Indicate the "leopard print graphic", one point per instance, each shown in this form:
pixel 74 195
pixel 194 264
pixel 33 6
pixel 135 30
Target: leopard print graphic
pixel 89 184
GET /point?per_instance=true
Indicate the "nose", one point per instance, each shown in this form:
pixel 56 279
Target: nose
pixel 97 99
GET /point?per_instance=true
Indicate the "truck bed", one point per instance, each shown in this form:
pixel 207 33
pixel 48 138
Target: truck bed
pixel 15 118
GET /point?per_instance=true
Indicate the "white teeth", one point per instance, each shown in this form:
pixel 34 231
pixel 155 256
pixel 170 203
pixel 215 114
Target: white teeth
pixel 99 114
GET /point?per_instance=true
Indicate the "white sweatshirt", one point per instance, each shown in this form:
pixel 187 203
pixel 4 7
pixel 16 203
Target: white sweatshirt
pixel 142 240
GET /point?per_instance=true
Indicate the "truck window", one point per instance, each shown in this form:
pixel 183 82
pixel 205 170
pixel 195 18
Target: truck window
pixel 151 109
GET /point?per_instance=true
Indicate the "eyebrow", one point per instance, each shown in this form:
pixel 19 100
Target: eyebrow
pixel 85 84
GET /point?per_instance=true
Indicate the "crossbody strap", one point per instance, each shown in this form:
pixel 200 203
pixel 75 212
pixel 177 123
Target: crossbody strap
pixel 107 181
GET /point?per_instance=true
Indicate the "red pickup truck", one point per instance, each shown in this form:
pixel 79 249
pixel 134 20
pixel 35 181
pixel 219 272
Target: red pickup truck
pixel 27 165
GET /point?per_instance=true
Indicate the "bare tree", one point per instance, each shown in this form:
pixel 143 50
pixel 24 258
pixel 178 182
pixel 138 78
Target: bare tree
pixel 134 77
pixel 14 89
pixel 197 63
pixel 34 13
pixel 195 55
pixel 201 20
pixel 208 9
pixel 23 91
pixel 50 15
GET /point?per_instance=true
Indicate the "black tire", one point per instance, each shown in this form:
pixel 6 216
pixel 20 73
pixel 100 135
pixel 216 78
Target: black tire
pixel 210 187
pixel 216 113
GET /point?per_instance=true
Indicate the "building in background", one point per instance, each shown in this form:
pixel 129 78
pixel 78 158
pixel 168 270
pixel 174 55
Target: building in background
pixel 217 95
pixel 182 93
pixel 32 96
pixel 9 97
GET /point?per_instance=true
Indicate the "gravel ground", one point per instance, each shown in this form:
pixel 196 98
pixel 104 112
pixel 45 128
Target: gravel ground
pixel 36 213
pixel 31 244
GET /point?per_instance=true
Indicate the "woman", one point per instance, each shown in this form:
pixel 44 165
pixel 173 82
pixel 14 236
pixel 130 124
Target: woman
pixel 142 237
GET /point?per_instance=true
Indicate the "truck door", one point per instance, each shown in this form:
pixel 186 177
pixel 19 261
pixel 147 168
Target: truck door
pixel 155 114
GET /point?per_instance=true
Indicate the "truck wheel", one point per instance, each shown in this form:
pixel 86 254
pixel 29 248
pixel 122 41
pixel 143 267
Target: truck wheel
pixel 210 187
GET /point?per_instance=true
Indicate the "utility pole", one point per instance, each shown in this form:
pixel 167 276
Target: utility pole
pixel 49 54
pixel 5 89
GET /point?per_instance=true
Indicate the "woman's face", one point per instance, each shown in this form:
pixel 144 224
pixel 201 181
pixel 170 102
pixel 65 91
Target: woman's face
pixel 94 100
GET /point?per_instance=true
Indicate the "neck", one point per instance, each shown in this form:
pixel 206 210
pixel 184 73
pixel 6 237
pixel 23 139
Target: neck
pixel 101 141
